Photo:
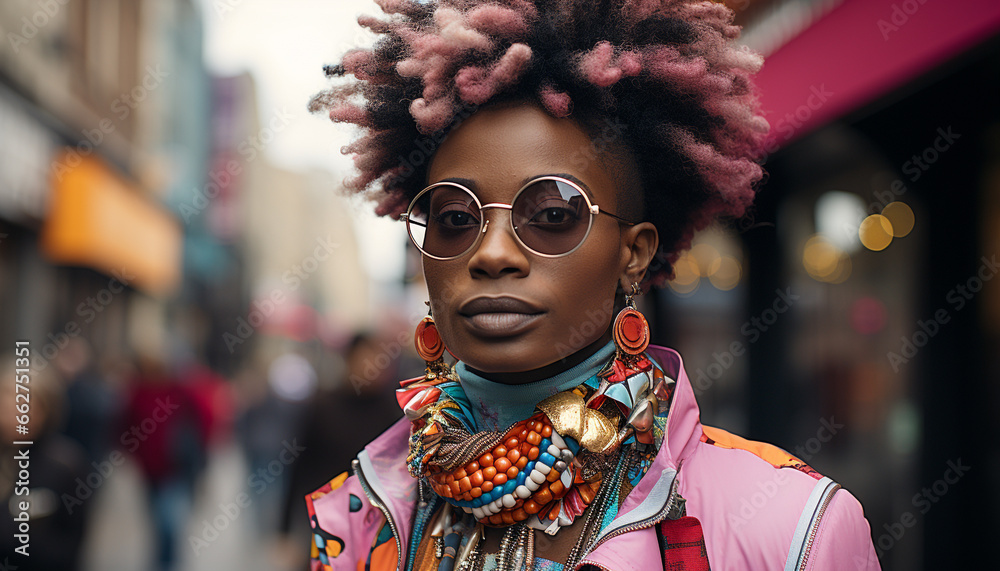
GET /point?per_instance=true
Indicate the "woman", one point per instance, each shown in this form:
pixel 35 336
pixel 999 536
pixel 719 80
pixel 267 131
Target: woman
pixel 551 159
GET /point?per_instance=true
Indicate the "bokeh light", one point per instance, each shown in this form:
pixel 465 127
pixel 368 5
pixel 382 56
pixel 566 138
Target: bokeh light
pixel 706 257
pixel 727 273
pixel 868 315
pixel 876 232
pixel 900 216
pixel 824 261
pixel 686 275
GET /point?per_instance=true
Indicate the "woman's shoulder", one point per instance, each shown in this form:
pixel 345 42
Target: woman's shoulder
pixel 756 498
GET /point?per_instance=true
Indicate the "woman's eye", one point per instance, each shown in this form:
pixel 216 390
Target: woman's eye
pixel 553 217
pixel 456 219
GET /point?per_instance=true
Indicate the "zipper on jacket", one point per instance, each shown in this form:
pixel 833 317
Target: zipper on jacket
pixel 674 503
pixel 377 502
pixel 814 528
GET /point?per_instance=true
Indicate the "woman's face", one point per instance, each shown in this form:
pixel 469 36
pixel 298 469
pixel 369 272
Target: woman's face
pixel 501 308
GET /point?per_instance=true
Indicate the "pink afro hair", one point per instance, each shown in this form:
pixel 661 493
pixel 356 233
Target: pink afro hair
pixel 669 71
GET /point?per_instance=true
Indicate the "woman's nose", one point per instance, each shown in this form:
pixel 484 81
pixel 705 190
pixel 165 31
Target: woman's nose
pixel 499 253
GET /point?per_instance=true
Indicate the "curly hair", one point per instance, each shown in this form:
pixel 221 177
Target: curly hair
pixel 668 71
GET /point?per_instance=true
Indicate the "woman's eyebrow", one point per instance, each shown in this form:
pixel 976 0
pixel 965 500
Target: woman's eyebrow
pixel 467 183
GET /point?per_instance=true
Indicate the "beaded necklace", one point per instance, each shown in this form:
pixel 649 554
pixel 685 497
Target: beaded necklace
pixel 586 446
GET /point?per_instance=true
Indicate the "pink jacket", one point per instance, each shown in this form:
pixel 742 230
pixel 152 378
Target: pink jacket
pixel 756 510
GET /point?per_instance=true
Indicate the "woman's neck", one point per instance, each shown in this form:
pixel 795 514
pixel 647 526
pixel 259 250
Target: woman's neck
pixel 548 371
pixel 496 405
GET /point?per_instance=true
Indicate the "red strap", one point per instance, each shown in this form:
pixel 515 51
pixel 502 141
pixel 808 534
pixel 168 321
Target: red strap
pixel 684 545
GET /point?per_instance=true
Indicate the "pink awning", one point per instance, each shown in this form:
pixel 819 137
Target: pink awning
pixel 862 50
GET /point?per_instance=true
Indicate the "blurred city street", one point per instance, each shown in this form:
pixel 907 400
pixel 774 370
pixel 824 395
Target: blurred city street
pixel 121 538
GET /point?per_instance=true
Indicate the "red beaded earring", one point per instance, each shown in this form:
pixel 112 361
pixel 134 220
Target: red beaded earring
pixel 631 330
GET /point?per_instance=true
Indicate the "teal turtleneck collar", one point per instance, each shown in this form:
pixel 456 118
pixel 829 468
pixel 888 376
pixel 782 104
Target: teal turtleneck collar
pixel 496 406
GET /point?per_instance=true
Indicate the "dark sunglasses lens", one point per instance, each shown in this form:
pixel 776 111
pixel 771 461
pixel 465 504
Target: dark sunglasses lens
pixel 551 217
pixel 444 221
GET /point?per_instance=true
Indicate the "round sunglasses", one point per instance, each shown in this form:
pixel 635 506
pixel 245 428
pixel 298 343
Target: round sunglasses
pixel 551 216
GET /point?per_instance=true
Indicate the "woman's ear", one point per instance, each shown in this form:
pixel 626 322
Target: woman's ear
pixel 639 243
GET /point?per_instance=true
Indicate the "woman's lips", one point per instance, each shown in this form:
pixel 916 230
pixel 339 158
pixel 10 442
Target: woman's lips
pixel 499 316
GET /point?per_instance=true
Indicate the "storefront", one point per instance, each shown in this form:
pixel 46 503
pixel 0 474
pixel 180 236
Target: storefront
pixel 864 321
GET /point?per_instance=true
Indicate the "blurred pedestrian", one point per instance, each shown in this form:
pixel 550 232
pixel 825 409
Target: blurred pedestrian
pixel 337 423
pixel 91 404
pixel 163 432
pixel 268 427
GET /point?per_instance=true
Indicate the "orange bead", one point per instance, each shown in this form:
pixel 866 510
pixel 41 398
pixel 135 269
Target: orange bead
pixel 546 431
pixel 513 455
pixel 520 515
pixel 488 473
pixel 531 507
pixel 460 473
pixel 512 442
pixel 587 493
pixel 499 479
pixel 507 517
pixel 476 492
pixel 486 460
pixel 534 438
pixel 449 479
pixel 557 489
pixel 496 519
pixel 464 484
pixel 542 496
pixel 455 489
pixel 476 479
pixel 521 462
pixel 471 467
pixel 512 472
pixel 502 464
pixel 533 453
pixel 554 512
pixel 523 434
pixel 553 475
pixel 499 451
pixel 487 486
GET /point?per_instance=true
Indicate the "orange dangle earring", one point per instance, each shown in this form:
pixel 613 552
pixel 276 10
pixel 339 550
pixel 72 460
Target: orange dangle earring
pixel 631 330
pixel 430 347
